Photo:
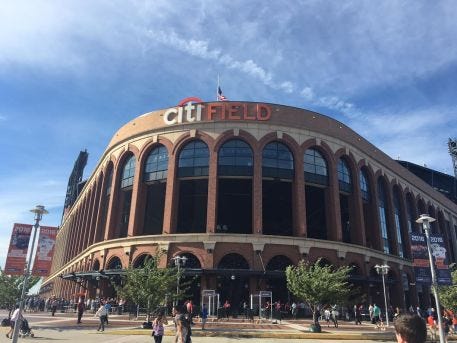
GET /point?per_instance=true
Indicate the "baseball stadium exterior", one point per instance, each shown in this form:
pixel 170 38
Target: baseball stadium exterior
pixel 243 190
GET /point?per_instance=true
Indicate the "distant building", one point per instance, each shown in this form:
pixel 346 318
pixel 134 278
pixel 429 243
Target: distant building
pixel 243 190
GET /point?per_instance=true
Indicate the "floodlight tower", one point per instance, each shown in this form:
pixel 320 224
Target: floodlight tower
pixel 452 144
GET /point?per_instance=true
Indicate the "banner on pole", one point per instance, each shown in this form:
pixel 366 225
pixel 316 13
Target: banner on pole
pixel 421 262
pixel 45 251
pixel 17 251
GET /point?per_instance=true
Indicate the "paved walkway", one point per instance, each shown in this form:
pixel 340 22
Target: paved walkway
pixel 122 327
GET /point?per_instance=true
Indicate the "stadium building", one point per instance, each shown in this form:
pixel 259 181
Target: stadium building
pixel 243 190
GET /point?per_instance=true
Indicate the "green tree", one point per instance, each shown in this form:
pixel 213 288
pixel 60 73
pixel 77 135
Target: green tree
pixel 149 286
pixel 11 289
pixel 317 284
pixel 448 294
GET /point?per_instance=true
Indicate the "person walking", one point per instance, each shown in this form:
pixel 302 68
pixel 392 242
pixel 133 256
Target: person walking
pixel 54 304
pixel 158 328
pixel 108 310
pixel 227 309
pixel 101 314
pixel 15 318
pixel 376 316
pixel 80 307
pixel 181 325
pixel 335 314
pixel 204 316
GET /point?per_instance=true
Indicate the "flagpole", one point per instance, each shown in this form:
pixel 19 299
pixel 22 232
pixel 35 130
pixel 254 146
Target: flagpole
pixel 217 88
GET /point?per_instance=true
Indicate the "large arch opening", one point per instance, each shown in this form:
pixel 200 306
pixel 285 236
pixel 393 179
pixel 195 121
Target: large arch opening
pixel 125 196
pixel 346 201
pixel 316 185
pixel 277 183
pixel 234 203
pixel 276 282
pixel 232 282
pixel 155 178
pixel 193 171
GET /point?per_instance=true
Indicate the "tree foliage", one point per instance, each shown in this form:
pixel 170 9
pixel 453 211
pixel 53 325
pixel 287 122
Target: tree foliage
pixel 448 294
pixel 317 284
pixel 11 289
pixel 149 286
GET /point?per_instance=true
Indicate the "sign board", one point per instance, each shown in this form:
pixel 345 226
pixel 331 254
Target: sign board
pixel 421 262
pixel 45 251
pixel 17 251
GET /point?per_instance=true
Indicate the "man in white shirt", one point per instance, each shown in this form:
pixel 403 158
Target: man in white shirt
pixel 14 318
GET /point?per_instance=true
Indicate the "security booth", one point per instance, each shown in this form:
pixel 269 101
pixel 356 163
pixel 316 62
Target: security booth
pixel 262 304
pixel 211 299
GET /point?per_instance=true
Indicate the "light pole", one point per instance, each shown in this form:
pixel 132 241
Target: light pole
pixel 425 220
pixel 39 211
pixel 179 261
pixel 384 270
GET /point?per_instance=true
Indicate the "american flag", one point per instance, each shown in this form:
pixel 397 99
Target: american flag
pixel 220 96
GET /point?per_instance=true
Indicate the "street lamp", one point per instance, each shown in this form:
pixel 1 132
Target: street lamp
pixel 179 261
pixel 383 270
pixel 39 211
pixel 425 220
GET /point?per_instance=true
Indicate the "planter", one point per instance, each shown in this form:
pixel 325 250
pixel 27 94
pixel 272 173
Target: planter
pixel 315 328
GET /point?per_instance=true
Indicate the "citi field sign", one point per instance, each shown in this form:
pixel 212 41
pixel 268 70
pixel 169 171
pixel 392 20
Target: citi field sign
pixel 191 110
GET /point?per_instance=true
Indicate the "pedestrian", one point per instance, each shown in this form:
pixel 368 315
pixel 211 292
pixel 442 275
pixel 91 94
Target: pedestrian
pixel 370 312
pixel 410 328
pixel 180 325
pixel 357 315
pixel 108 310
pixel 101 314
pixel 327 316
pixel 54 304
pixel 335 314
pixel 204 316
pixel 432 325
pixel 376 316
pixel 294 310
pixel 227 309
pixel 158 328
pixel 15 318
pixel 80 307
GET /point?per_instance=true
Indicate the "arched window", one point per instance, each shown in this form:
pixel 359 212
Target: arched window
pixel 193 168
pixel 411 214
pixel 155 176
pixel 279 262
pixel 128 172
pixel 235 159
pixel 277 161
pixel 233 261
pixel 277 176
pixel 316 182
pixel 345 185
pixel 156 166
pixel 382 199
pixel 364 187
pixel 234 192
pixel 194 159
pixel 114 263
pixel 141 260
pixel 315 167
pixel 398 227
pixel 344 177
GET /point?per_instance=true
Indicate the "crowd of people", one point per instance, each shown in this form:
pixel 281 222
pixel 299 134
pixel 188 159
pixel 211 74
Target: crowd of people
pixel 182 316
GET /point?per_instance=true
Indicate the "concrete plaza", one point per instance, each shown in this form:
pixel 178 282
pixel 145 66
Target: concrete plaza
pixel 63 327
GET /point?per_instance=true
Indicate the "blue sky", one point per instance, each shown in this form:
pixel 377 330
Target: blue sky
pixel 73 72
